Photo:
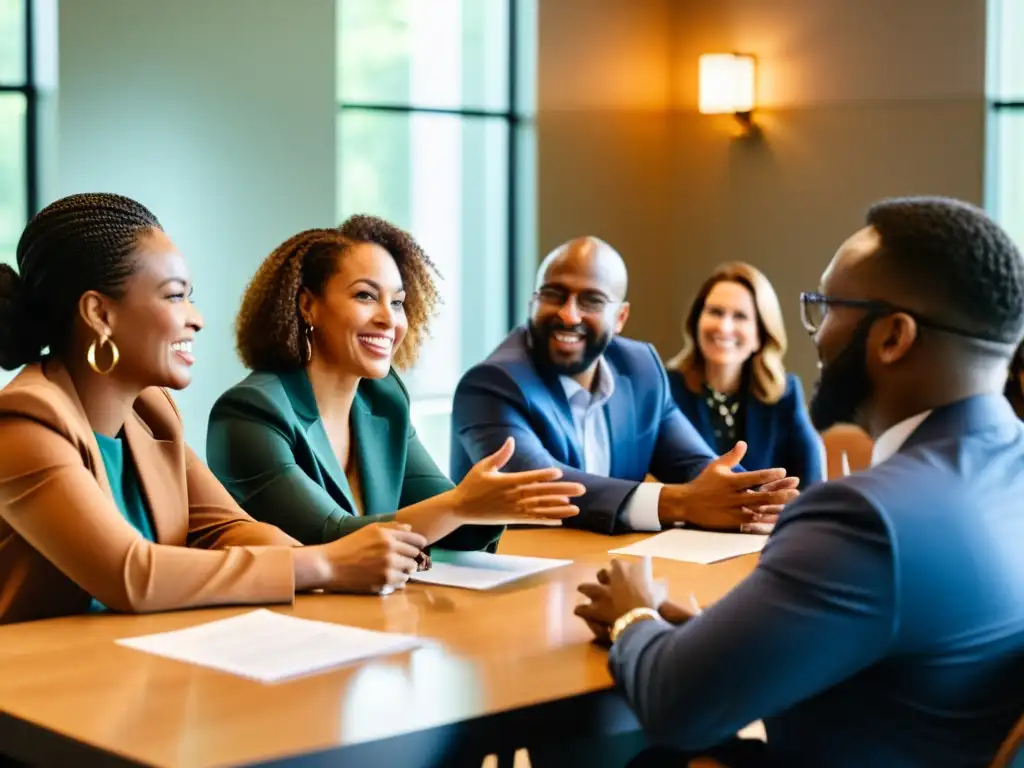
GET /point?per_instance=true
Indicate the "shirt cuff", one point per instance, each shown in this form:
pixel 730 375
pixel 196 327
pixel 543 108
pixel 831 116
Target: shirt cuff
pixel 641 512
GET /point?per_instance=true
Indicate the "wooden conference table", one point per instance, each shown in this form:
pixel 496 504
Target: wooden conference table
pixel 513 667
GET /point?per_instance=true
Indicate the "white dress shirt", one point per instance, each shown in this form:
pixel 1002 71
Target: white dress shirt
pixel 591 422
pixel 893 438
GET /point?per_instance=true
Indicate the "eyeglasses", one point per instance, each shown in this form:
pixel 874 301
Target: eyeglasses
pixel 814 308
pixel 589 303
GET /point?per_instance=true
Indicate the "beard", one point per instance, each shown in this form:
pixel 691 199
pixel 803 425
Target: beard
pixel 843 386
pixel 594 345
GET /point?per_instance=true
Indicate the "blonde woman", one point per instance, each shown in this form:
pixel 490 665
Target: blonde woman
pixel 729 380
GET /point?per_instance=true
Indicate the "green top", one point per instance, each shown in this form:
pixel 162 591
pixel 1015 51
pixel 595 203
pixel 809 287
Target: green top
pixel 124 484
pixel 268 446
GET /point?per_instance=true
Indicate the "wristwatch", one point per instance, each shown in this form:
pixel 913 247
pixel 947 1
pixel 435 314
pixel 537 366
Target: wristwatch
pixel 637 614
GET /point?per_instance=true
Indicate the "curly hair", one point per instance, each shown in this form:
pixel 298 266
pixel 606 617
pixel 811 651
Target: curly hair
pixel 953 255
pixel 80 243
pixel 269 328
pixel 767 374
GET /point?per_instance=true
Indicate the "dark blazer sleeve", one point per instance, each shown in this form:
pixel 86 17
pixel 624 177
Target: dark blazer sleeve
pixel 681 453
pixel 490 407
pixel 800 450
pixel 248 449
pixel 819 608
pixel 424 480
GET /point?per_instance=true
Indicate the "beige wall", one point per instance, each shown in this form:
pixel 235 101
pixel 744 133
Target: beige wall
pixel 861 101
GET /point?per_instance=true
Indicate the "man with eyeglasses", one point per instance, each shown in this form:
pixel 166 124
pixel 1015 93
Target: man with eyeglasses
pixel 575 395
pixel 884 623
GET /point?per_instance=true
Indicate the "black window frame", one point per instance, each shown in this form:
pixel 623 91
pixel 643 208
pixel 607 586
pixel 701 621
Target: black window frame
pixel 29 90
pixel 514 121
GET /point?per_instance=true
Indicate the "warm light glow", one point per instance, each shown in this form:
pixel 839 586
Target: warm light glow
pixel 726 83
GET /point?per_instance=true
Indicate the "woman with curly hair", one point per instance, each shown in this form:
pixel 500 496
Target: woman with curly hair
pixel 729 380
pixel 103 506
pixel 318 439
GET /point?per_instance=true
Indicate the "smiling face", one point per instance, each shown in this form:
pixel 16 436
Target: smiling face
pixel 578 306
pixel 727 330
pixel 154 323
pixel 359 320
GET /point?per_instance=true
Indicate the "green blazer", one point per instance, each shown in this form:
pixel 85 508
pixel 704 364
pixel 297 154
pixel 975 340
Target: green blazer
pixel 267 445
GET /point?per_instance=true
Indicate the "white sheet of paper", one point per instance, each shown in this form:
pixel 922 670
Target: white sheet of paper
pixel 694 546
pixel 551 522
pixel 481 570
pixel 269 647
pixel 754 731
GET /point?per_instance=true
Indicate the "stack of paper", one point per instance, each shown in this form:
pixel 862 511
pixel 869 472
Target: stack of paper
pixel 694 546
pixel 481 570
pixel 267 646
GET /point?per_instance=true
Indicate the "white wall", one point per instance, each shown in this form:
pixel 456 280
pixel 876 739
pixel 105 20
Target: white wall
pixel 218 115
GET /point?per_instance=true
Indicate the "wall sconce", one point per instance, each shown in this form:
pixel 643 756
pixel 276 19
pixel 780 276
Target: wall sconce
pixel 727 87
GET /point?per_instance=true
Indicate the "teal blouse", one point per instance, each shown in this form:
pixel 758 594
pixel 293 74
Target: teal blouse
pixel 124 484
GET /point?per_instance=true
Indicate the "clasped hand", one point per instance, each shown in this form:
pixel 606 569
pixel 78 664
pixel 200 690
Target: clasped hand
pixel 620 588
pixel 721 499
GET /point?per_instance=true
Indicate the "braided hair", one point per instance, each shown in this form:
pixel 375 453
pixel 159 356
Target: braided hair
pixel 79 243
pixel 269 329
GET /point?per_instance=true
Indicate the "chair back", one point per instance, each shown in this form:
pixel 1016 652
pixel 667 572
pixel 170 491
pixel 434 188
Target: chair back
pixel 849 441
pixel 1011 754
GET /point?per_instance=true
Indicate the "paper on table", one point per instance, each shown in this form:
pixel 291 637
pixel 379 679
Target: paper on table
pixel 481 570
pixel 694 546
pixel 754 731
pixel 549 521
pixel 267 646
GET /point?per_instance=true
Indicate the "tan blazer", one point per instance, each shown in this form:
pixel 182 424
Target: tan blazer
pixel 63 539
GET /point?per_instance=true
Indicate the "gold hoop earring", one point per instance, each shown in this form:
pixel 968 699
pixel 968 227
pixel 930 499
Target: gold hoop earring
pixel 115 355
pixel 309 343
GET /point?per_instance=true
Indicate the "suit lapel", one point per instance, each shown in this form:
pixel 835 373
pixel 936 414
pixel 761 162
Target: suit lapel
pixel 563 413
pixel 154 463
pixel 551 385
pixel 703 415
pixel 621 411
pixel 54 372
pixel 757 432
pixel 372 445
pixel 300 394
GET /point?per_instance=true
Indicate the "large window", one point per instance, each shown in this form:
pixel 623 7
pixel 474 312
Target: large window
pixel 1005 183
pixel 434 134
pixel 17 124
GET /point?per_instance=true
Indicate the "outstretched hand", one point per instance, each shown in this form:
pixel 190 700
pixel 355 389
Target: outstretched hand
pixel 488 495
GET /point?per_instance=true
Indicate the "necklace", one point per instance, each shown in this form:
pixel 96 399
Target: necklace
pixel 726 406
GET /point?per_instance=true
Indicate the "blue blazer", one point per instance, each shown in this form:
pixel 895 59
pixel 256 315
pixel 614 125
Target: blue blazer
pixel 778 435
pixel 883 625
pixel 507 395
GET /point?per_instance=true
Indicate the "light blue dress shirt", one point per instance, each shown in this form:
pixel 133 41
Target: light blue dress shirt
pixel 591 421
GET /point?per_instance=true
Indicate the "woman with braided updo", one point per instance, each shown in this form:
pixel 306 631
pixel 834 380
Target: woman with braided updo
pixel 318 440
pixel 102 505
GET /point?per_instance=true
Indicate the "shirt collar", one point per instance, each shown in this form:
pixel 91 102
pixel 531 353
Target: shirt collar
pixel 890 441
pixel 603 388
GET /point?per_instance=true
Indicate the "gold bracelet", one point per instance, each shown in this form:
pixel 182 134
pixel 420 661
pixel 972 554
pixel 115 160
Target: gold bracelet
pixel 637 614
